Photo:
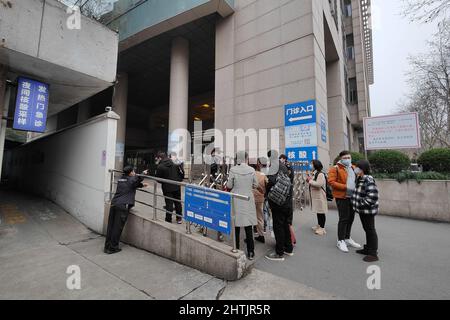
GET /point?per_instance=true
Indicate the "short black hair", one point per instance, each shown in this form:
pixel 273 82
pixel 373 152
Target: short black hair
pixel 317 165
pixel 364 165
pixel 161 154
pixel 283 156
pixel 344 153
pixel 127 170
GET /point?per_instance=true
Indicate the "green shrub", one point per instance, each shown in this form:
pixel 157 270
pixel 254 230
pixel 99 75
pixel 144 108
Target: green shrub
pixel 389 161
pixel 356 156
pixel 408 175
pixel 435 160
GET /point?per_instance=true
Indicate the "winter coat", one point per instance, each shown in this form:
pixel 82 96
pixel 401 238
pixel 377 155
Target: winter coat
pixel 126 190
pixel 242 180
pixel 365 197
pixel 319 202
pixel 168 170
pixel 337 178
pixel 260 192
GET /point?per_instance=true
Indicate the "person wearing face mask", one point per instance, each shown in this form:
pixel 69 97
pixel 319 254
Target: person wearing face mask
pixel 342 179
pixel 365 203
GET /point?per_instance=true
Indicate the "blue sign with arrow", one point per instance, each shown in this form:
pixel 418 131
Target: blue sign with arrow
pixel 304 156
pixel 300 113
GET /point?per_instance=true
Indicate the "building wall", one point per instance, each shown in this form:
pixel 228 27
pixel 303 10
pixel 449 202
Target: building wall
pixel 271 53
pixel 70 167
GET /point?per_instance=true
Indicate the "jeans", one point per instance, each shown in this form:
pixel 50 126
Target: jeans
pixel 170 204
pixel 280 216
pixel 118 216
pixel 321 219
pixel 368 223
pixel 346 218
pixel 248 237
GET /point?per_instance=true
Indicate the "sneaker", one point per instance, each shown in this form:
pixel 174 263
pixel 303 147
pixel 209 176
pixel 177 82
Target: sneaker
pixel 371 258
pixel 342 246
pixel 290 254
pixel 350 242
pixel 180 221
pixel 320 232
pixel 315 228
pixel 251 256
pixel 274 257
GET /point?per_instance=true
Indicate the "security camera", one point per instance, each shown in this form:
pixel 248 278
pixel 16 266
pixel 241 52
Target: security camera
pixel 108 109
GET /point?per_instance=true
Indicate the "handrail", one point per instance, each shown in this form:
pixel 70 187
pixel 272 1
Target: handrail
pixel 184 184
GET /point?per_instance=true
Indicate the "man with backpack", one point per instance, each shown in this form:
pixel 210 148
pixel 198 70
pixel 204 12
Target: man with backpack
pixel 342 179
pixel 170 170
pixel 279 195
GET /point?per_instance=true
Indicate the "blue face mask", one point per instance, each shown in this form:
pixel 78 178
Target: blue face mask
pixel 346 162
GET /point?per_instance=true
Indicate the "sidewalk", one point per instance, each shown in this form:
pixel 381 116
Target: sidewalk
pixel 39 241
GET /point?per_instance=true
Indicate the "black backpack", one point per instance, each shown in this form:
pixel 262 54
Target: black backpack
pixel 328 190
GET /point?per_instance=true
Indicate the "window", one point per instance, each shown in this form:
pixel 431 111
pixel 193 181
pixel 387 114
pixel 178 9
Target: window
pixel 352 91
pixel 350 46
pixel 347 8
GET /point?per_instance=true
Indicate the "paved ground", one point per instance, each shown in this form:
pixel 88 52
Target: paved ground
pixel 38 241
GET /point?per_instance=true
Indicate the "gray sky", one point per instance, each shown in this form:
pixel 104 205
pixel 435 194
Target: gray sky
pixel 395 38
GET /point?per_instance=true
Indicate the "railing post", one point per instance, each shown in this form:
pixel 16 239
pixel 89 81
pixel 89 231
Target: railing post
pixel 111 184
pixel 155 200
pixel 233 228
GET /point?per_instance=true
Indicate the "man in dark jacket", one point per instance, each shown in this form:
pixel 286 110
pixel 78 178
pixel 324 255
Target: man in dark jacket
pixel 121 204
pixel 280 213
pixel 169 170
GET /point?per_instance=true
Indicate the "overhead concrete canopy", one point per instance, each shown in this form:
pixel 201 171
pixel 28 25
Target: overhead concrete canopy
pixel 139 20
pixel 35 42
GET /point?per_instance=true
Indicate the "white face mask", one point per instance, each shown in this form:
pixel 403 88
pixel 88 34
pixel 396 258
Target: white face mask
pixel 358 171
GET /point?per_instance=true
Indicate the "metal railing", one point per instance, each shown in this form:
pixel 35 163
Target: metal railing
pixel 155 195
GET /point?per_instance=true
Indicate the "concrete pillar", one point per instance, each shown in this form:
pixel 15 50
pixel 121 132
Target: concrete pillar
pixel 120 104
pixel 179 98
pixel 4 105
pixel 84 111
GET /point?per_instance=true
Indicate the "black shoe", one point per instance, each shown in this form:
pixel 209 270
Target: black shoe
pixel 371 258
pixel 363 252
pixel 251 256
pixel 112 251
pixel 261 239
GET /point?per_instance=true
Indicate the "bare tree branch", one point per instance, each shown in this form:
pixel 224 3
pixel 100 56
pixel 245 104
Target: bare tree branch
pixel 425 10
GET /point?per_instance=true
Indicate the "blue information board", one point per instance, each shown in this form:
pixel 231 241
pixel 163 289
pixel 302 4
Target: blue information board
pixel 208 208
pixel 304 156
pixel 323 128
pixel 300 113
pixel 31 105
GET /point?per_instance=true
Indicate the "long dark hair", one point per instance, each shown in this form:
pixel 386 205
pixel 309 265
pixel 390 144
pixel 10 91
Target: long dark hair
pixel 318 166
pixel 364 165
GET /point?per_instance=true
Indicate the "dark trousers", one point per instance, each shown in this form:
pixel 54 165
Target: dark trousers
pixel 368 223
pixel 280 217
pixel 248 237
pixel 321 219
pixel 118 216
pixel 171 204
pixel 346 218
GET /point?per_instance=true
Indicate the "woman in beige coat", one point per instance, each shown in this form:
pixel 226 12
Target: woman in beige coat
pixel 319 202
pixel 242 180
